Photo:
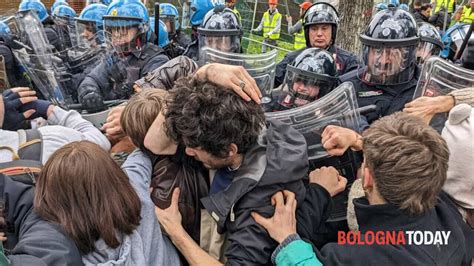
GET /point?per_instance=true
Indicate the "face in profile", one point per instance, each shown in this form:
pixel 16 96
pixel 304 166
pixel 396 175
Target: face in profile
pixel 385 61
pixel 207 159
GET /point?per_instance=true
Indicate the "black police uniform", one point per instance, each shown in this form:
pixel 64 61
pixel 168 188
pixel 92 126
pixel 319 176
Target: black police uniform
pixel 388 98
pixel 103 82
pixel 16 77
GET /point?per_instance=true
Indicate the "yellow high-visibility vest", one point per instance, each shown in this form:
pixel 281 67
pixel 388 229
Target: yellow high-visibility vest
pixel 467 15
pixel 300 40
pixel 237 13
pixel 270 25
pixel 449 4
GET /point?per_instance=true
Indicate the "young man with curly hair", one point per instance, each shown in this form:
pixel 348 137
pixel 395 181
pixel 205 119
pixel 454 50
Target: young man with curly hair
pixel 253 159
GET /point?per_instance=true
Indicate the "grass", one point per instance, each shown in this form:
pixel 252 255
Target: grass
pixel 250 47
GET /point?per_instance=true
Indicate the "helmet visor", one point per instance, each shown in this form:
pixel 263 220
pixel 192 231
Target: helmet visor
pixel 123 32
pixel 170 24
pixel 302 88
pixel 388 65
pixel 86 33
pixel 222 43
pixel 425 50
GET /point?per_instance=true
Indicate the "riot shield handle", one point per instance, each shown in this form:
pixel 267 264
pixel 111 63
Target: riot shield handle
pixel 464 42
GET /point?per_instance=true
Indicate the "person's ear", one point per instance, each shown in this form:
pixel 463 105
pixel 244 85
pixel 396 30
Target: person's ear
pixel 368 179
pixel 233 150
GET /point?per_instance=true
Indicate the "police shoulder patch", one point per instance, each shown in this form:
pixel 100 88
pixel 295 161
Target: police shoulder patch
pixel 363 94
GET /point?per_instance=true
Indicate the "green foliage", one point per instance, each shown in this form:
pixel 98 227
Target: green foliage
pixel 250 47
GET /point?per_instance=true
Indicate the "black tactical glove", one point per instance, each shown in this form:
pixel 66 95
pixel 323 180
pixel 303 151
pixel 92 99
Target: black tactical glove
pixel 93 102
pixel 13 118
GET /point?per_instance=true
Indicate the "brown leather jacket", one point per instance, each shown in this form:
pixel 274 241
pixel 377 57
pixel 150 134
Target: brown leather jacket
pixel 191 177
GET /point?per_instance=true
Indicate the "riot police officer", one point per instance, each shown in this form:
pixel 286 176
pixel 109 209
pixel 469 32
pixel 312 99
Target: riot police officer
pixel 430 42
pixel 390 74
pixel 311 76
pixel 221 30
pixel 170 16
pixel 128 25
pixel 13 75
pixel 89 25
pixel 199 9
pixel 45 19
pixel 320 26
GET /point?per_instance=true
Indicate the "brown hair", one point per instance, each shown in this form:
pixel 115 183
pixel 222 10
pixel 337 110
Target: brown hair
pixel 83 190
pixel 207 116
pixel 408 159
pixel 140 112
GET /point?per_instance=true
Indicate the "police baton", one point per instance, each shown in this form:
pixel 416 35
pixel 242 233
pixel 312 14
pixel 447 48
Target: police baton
pixel 157 23
pixel 464 42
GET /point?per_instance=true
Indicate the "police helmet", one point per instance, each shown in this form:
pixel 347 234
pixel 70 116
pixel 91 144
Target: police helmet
pixel 199 9
pixel 58 3
pixel 430 42
pixel 36 6
pixel 312 75
pixel 453 39
pixel 169 14
pixel 89 24
pixel 64 11
pixel 389 47
pixel 125 16
pixel 221 30
pixel 321 13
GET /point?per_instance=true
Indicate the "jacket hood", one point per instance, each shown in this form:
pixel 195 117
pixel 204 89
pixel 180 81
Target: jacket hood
pixel 129 252
pixel 280 156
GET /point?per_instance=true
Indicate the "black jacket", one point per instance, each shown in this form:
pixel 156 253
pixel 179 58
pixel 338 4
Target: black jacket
pixel 345 62
pixel 419 17
pixel 138 64
pixel 31 240
pixel 388 99
pixel 278 161
pixel 388 217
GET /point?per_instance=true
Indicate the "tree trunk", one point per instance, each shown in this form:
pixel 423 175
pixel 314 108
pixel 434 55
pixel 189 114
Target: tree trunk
pixel 354 16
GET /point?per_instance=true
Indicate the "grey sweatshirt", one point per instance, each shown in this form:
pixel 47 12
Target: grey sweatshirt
pixel 146 245
pixel 63 127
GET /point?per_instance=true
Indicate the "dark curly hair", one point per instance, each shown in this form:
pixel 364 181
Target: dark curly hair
pixel 204 115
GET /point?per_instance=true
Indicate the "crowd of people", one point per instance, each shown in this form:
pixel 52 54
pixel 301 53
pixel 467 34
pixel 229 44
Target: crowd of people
pixel 123 141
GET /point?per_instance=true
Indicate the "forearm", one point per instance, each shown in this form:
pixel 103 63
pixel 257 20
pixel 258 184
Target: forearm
pixel 73 120
pixel 191 250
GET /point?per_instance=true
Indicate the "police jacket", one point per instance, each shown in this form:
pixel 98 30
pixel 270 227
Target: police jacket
pixel 345 62
pixel 13 73
pixel 31 240
pixel 138 63
pixel 277 161
pixel 390 218
pixel 182 39
pixel 388 98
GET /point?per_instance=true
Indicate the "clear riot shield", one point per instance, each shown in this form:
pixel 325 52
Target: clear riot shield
pixel 336 108
pixel 58 75
pixel 66 30
pixel 31 32
pixel 440 77
pixel 260 66
pixel 340 108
